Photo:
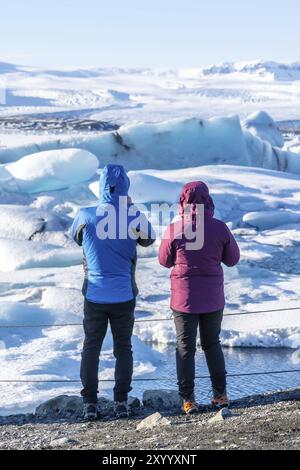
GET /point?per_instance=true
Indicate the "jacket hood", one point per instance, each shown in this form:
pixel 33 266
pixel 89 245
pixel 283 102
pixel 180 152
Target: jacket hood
pixel 114 182
pixel 195 193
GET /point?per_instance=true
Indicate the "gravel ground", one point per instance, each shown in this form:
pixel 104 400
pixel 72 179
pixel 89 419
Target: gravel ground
pixel 269 421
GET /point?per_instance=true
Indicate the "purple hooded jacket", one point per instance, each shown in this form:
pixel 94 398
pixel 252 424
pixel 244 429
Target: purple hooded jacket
pixel 197 283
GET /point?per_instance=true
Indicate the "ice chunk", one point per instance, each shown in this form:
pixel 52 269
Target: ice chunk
pixel 262 125
pixel 23 222
pixel 20 313
pixel 147 188
pixel 176 143
pixel 20 222
pixel 295 149
pixel 19 254
pixel 256 330
pixel 183 142
pixel 5 176
pixel 260 338
pixel 52 170
pixel 265 220
pixel 263 155
pixel 63 299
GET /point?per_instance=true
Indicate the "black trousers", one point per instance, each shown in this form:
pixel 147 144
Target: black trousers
pixel 95 323
pixel 209 325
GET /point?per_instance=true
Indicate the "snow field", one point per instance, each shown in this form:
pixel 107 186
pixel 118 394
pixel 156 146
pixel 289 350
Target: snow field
pixel 40 267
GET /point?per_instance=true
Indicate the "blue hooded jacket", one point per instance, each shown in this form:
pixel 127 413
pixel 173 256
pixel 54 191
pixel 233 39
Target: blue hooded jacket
pixel 109 261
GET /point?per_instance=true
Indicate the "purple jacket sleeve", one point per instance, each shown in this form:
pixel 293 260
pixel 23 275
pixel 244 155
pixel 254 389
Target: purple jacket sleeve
pixel 166 255
pixel 231 251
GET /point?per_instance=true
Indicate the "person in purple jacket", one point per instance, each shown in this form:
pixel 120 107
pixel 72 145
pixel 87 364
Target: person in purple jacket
pixel 197 289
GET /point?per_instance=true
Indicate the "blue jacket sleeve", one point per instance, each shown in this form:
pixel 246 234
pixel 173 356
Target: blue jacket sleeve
pixel 77 227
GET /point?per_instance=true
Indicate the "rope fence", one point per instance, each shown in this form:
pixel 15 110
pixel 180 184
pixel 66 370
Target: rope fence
pixel 154 379
pixel 253 312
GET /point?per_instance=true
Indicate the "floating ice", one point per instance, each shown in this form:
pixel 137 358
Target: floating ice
pixel 53 169
pixel 49 291
pixel 263 126
pixel 65 302
pixel 20 313
pixel 177 143
pixel 266 331
pixel 17 254
pixel 264 220
pixel 20 222
pixel 147 188
pixel 24 222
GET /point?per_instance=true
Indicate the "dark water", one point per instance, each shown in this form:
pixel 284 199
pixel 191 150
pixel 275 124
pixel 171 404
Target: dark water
pixel 238 360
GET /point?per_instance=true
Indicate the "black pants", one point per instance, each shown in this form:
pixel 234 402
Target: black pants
pixel 95 323
pixel 187 325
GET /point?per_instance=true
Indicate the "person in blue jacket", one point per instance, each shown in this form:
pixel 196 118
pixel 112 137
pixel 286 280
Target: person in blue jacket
pixel 109 234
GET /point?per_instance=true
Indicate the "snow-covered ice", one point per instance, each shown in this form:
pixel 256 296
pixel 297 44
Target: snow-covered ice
pixel 20 222
pixel 134 94
pixel 176 143
pixel 21 254
pixel 40 283
pixel 52 169
pixel 45 178
pixel 262 125
pixel 24 222
pixel 264 220
pixel 148 188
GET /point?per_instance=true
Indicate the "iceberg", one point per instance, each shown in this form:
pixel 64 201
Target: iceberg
pixel 147 188
pixel 52 170
pixel 263 126
pixel 23 222
pixel 20 222
pixel 40 282
pixel 176 143
pixel 22 254
pixel 265 220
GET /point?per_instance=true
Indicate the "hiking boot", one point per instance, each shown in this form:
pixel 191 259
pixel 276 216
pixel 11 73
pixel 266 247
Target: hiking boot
pixel 90 411
pixel 190 407
pixel 220 401
pixel 121 409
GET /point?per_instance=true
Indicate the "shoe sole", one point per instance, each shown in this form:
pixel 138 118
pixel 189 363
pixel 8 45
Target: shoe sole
pixel 219 407
pixel 191 412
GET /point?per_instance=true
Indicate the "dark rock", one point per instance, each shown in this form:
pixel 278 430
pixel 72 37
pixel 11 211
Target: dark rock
pixel 63 406
pixel 162 399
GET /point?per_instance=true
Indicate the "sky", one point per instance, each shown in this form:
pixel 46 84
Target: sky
pixel 151 33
